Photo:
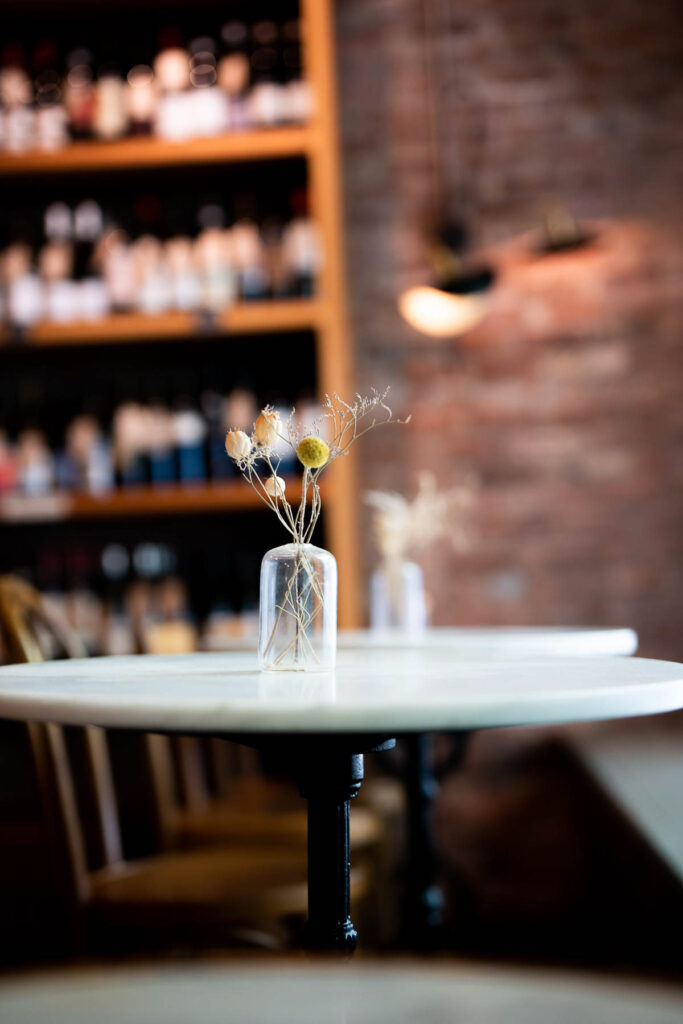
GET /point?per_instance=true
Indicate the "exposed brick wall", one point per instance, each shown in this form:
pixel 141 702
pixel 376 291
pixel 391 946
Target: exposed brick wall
pixel 568 399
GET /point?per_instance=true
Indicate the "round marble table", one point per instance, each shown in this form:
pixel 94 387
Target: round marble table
pixel 404 993
pixel 502 641
pixel 321 724
pixel 476 641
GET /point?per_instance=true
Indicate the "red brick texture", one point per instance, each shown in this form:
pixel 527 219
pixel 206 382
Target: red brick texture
pixel 567 399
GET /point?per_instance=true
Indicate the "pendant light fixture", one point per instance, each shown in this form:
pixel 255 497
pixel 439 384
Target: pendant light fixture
pixel 561 232
pixel 456 299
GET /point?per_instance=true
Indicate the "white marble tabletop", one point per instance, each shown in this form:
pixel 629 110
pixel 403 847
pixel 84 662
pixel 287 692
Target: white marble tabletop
pixel 378 691
pixel 369 994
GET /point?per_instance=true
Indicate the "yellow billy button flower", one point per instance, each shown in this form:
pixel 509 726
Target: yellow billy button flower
pixel 275 486
pixel 237 444
pixel 313 452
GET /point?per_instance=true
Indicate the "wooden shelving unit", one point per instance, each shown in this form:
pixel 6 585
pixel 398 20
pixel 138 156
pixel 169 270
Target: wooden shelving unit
pixel 133 154
pixel 172 500
pixel 334 345
pixel 326 315
pixel 120 328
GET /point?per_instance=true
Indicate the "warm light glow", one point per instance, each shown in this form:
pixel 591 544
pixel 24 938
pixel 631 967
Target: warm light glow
pixel 442 314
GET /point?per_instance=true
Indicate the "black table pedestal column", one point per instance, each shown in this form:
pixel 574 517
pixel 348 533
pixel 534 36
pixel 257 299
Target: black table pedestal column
pixel 328 770
pixel 423 911
pixel 329 787
pixel 422 926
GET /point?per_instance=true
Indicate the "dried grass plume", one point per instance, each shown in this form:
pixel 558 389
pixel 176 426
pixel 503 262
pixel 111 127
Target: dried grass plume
pixel 404 527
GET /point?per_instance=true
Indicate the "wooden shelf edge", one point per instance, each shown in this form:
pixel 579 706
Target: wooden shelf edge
pixel 243 318
pixel 175 499
pixel 237 147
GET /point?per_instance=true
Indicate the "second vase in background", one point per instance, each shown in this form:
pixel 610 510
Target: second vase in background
pixel 397 598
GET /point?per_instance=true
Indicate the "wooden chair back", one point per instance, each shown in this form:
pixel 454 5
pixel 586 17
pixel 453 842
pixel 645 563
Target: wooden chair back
pixel 26 620
pixel 185 773
pixel 188 774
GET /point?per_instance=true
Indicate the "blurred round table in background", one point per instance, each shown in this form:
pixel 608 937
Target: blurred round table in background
pixel 423 900
pixel 292 993
pixel 504 641
pixel 474 641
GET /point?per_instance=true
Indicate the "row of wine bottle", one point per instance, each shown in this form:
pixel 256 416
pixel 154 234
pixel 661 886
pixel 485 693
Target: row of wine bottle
pixel 88 266
pixel 147 444
pixel 250 76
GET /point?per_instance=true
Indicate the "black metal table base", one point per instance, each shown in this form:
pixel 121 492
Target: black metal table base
pixel 329 773
pixel 329 789
pixel 422 918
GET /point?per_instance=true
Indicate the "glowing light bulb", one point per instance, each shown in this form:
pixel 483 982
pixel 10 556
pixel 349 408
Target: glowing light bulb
pixel 442 314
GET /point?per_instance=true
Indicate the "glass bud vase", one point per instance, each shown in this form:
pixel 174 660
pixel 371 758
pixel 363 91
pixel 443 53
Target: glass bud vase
pixel 397 598
pixel 298 609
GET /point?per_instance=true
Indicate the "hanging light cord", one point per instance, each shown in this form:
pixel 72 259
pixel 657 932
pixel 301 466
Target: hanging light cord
pixel 436 170
pixel 445 250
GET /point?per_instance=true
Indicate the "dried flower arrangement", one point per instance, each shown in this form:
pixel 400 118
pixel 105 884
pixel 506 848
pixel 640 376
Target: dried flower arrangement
pixel 403 528
pixel 342 422
pixel 339 426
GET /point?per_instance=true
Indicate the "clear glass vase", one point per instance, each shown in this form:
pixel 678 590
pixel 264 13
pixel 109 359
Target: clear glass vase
pixel 298 609
pixel 397 598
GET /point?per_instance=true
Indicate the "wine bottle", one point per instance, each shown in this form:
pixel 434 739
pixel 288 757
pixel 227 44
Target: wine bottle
pixel 79 93
pixel 88 225
pixel 234 72
pixel 267 92
pixel 172 73
pixel 56 263
pixel 210 107
pixel 16 96
pixel 298 98
pixel 50 114
pixel 110 119
pixel 141 99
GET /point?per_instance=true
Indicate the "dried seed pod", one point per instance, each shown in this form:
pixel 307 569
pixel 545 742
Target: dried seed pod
pixel 267 427
pixel 237 444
